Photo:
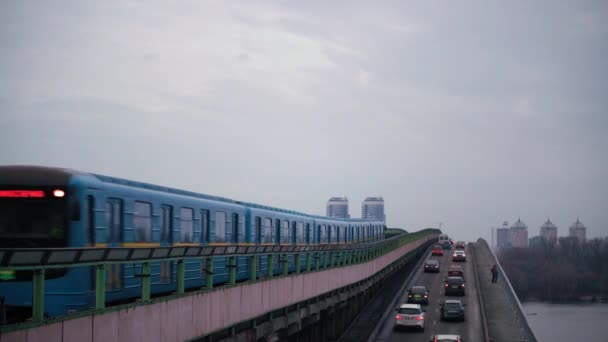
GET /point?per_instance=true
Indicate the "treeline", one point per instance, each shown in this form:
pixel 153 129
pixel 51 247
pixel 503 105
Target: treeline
pixel 558 272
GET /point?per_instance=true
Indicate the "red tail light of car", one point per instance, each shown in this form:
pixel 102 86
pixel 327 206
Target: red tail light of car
pixel 426 296
pixel 419 318
pixel 398 317
pixel 462 285
pixel 446 284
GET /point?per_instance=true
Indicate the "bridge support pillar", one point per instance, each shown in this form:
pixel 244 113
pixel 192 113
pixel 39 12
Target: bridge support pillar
pixel 209 271
pixel 308 262
pixel 181 276
pixel 100 287
pixel 270 265
pixel 38 296
pixel 253 268
pixel 285 264
pixel 145 282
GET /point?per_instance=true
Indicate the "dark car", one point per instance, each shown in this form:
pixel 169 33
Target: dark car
pixel 446 245
pixel 437 250
pixel 454 286
pixel 460 245
pixel 452 310
pixel 431 265
pixel 456 271
pixel 418 294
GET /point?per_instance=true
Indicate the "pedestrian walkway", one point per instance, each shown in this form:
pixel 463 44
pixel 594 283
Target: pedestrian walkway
pixel 502 319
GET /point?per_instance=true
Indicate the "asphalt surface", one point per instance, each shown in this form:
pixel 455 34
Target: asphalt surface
pixel 470 330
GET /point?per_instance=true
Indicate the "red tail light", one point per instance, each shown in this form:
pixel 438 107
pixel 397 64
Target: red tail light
pixel 462 285
pixel 419 318
pixel 398 317
pixel 446 284
pixel 22 193
pixel 426 296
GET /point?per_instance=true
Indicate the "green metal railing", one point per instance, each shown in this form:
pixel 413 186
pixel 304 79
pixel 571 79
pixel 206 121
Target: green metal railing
pixel 317 257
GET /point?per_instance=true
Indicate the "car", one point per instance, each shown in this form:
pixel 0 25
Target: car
pixel 454 285
pixel 452 310
pixel 409 316
pixel 459 255
pixel 446 245
pixel 418 294
pixel 446 338
pixel 437 250
pixel 432 265
pixel 456 271
pixel 460 245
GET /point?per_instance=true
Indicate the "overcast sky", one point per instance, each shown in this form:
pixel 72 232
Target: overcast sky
pixel 467 113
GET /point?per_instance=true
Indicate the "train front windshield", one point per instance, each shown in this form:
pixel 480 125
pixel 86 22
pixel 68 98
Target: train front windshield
pixel 32 219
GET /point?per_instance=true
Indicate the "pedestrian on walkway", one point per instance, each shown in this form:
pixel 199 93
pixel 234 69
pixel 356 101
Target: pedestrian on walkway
pixel 494 271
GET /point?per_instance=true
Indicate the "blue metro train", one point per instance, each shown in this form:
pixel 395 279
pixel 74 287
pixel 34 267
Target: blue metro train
pixel 44 207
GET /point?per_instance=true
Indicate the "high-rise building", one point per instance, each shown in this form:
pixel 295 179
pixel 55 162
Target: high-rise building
pixel 338 207
pixel 518 234
pixel 578 230
pixel 502 236
pixel 373 208
pixel 548 231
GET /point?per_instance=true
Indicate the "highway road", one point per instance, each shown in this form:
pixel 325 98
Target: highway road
pixel 470 330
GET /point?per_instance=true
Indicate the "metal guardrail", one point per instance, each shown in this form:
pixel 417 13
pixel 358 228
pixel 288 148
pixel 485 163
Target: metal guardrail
pixel 26 258
pixel 317 257
pixel 526 332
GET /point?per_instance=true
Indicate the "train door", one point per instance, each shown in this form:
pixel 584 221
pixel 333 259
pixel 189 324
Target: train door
pixel 166 239
pixel 114 239
pixel 235 228
pixel 258 230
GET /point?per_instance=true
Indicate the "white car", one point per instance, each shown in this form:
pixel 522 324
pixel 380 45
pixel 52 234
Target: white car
pixel 459 255
pixel 410 316
pixel 446 338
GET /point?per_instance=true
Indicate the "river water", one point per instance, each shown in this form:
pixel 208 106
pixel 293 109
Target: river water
pixel 568 322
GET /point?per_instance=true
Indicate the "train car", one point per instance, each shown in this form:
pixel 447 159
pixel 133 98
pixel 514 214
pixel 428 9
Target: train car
pixel 43 207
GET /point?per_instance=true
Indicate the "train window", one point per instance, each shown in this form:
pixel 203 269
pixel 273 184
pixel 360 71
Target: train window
pixel 267 230
pixel 235 228
pixel 220 226
pixel 186 224
pixel 300 233
pixel 91 220
pixel 114 219
pixel 258 230
pixel 166 224
pixel 142 221
pixel 204 226
pixel 285 232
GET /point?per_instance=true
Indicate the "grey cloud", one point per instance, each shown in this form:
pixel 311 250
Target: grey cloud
pixel 469 113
